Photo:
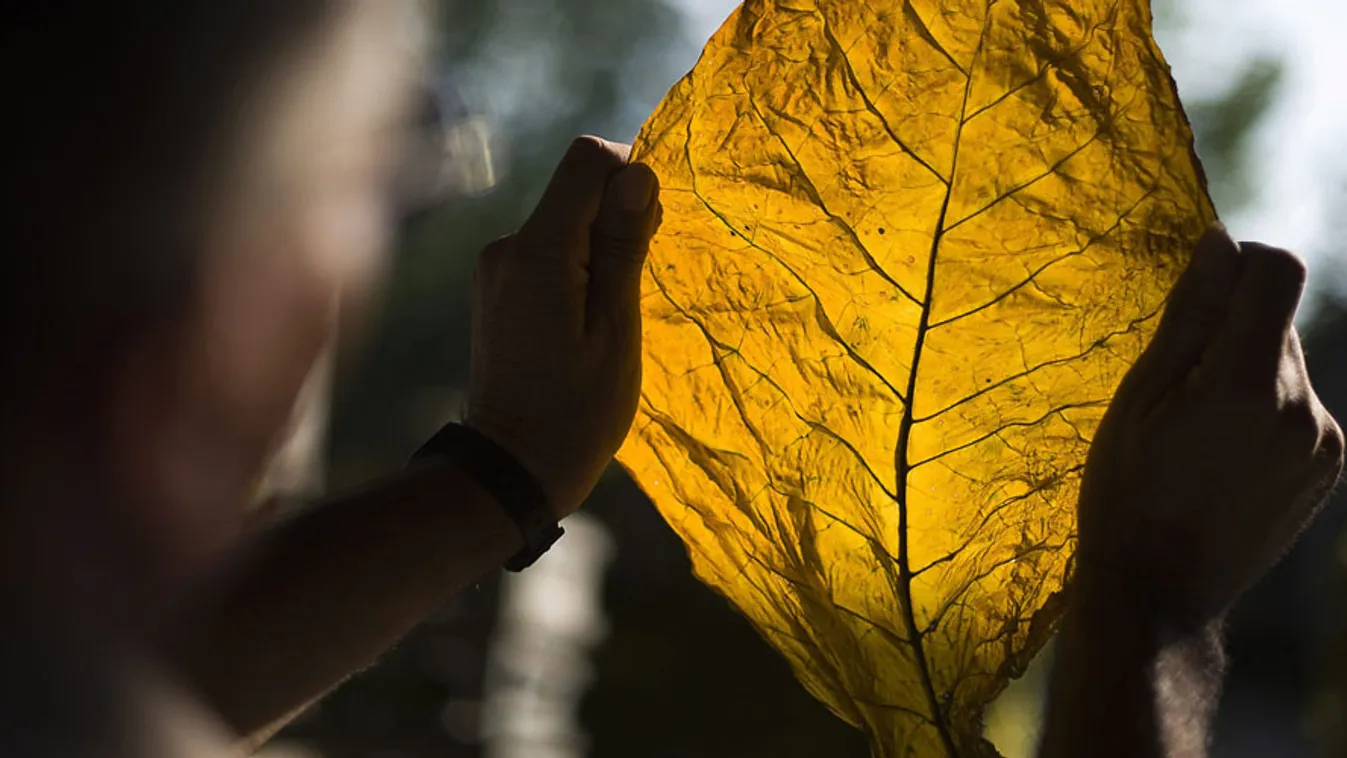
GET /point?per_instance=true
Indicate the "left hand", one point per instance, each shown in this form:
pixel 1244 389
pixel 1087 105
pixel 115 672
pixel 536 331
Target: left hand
pixel 556 335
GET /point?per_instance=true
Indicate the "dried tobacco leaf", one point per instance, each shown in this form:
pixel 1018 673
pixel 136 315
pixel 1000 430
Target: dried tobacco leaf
pixel 908 250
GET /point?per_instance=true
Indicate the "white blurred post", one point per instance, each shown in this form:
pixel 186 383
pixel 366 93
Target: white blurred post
pixel 539 667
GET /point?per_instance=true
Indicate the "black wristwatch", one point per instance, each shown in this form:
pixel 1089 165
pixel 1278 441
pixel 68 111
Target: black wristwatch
pixel 506 480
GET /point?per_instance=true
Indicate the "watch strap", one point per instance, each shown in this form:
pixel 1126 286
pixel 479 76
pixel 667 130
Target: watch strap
pixel 506 480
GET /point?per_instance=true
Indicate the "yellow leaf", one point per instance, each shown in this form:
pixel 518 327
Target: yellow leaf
pixel 908 250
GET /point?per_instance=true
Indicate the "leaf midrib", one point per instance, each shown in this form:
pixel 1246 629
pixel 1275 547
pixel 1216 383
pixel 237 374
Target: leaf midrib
pixel 901 463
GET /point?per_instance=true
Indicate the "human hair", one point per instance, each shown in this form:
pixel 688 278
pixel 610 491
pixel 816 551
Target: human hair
pixel 117 118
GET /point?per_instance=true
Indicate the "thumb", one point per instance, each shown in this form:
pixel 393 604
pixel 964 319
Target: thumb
pixel 619 241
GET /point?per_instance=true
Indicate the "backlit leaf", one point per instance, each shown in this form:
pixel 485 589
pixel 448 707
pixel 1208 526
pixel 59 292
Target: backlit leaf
pixel 908 250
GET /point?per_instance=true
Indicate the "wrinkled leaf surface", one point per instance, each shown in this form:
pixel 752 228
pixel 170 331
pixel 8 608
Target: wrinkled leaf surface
pixel 908 250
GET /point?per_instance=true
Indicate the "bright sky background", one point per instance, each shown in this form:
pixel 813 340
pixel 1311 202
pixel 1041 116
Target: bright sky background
pixel 1299 157
pixel 1299 153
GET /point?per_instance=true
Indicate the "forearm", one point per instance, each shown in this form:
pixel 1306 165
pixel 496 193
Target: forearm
pixel 323 595
pixel 1125 684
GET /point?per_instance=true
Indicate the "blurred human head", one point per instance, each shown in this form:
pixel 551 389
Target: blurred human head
pixel 196 185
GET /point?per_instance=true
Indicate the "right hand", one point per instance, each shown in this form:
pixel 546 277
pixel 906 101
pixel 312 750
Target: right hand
pixel 556 334
pixel 1215 452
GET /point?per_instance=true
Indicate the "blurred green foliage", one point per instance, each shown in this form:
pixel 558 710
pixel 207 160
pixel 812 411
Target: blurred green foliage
pixel 1222 127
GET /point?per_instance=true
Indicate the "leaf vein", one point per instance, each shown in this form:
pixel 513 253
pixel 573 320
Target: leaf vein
pixel 870 106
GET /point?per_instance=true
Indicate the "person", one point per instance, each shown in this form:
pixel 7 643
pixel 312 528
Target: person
pixel 1212 457
pixel 194 185
pixel 200 184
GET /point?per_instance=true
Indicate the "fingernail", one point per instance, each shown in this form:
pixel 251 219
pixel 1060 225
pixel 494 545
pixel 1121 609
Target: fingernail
pixel 633 188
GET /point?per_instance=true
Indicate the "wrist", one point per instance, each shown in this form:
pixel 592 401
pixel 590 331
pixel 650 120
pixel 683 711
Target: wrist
pixel 1127 668
pixel 514 488
pixel 522 452
pixel 1121 595
pixel 546 467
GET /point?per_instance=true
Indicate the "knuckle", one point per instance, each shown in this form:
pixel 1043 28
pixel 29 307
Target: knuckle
pixel 1331 443
pixel 1282 266
pixel 542 240
pixel 624 244
pixel 586 144
pixel 1300 415
pixel 496 248
pixel 1300 426
pixel 489 257
pixel 590 149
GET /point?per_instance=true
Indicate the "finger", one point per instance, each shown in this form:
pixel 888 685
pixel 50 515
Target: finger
pixel 572 199
pixel 1197 308
pixel 1329 455
pixel 1325 470
pixel 1248 351
pixel 620 240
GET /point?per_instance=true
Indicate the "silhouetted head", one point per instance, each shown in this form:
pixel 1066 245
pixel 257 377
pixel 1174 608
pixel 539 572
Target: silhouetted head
pixel 191 187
